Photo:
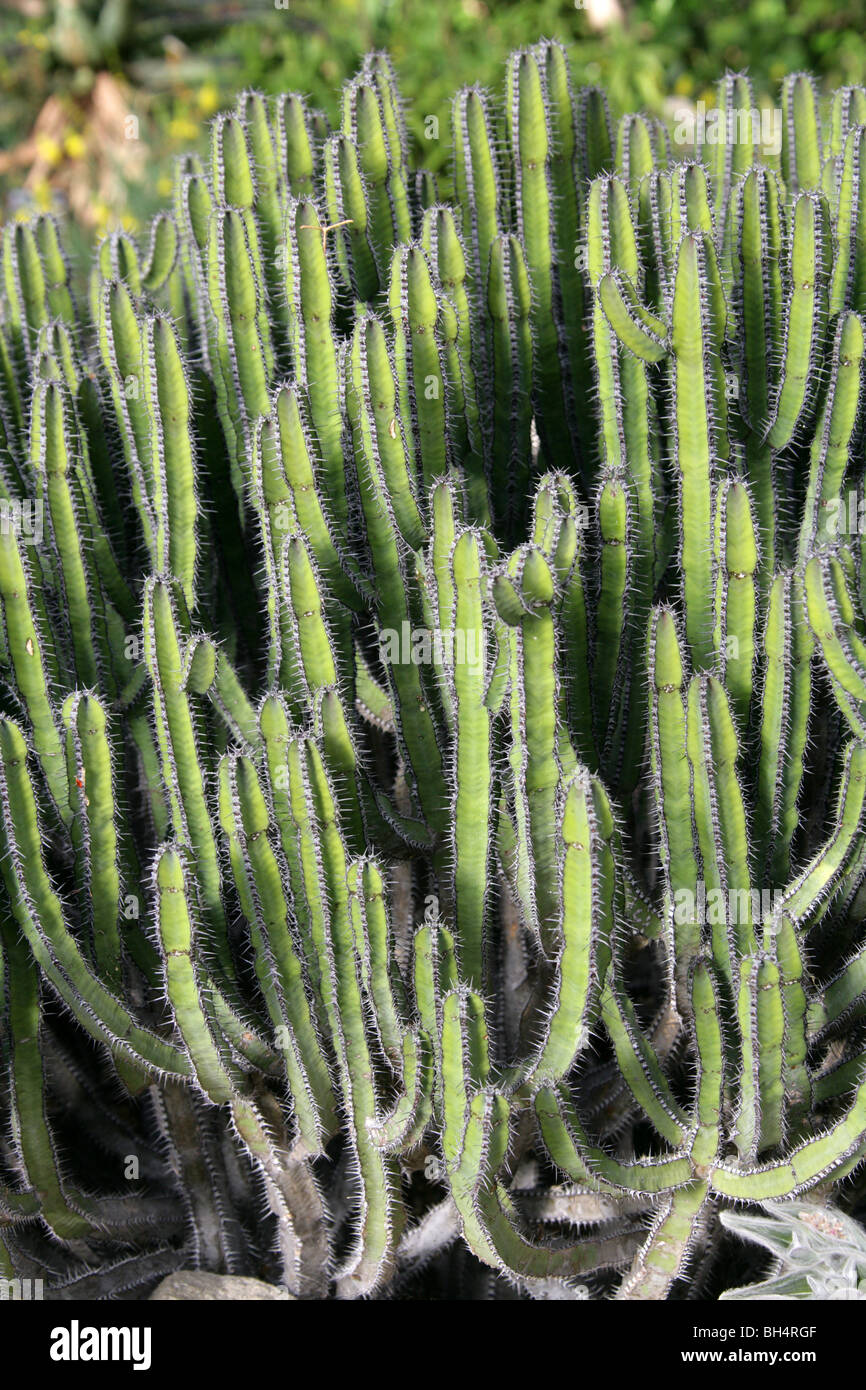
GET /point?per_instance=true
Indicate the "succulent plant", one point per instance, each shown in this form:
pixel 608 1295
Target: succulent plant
pixel 433 728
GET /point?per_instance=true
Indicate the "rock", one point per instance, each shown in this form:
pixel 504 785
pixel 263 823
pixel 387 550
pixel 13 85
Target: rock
pixel 187 1285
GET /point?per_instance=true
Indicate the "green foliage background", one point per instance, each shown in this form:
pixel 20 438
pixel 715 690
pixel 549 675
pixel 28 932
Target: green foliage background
pixel 176 64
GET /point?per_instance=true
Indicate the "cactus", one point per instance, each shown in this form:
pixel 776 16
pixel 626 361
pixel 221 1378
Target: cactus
pixel 433 704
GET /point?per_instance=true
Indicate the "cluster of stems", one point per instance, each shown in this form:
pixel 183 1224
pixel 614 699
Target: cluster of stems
pixel 433 702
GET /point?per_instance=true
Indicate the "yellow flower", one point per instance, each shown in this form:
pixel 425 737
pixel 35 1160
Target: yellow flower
pixel 75 146
pixel 48 149
pixel 208 99
pixel 684 84
pixel 182 128
pixel 33 38
pixel 101 214
pixel 164 186
pixel 128 222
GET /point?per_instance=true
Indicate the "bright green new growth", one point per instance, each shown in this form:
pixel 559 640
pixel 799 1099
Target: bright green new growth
pixel 433 702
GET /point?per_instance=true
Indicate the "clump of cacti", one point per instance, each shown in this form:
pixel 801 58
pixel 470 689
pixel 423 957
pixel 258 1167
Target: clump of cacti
pixel 433 738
